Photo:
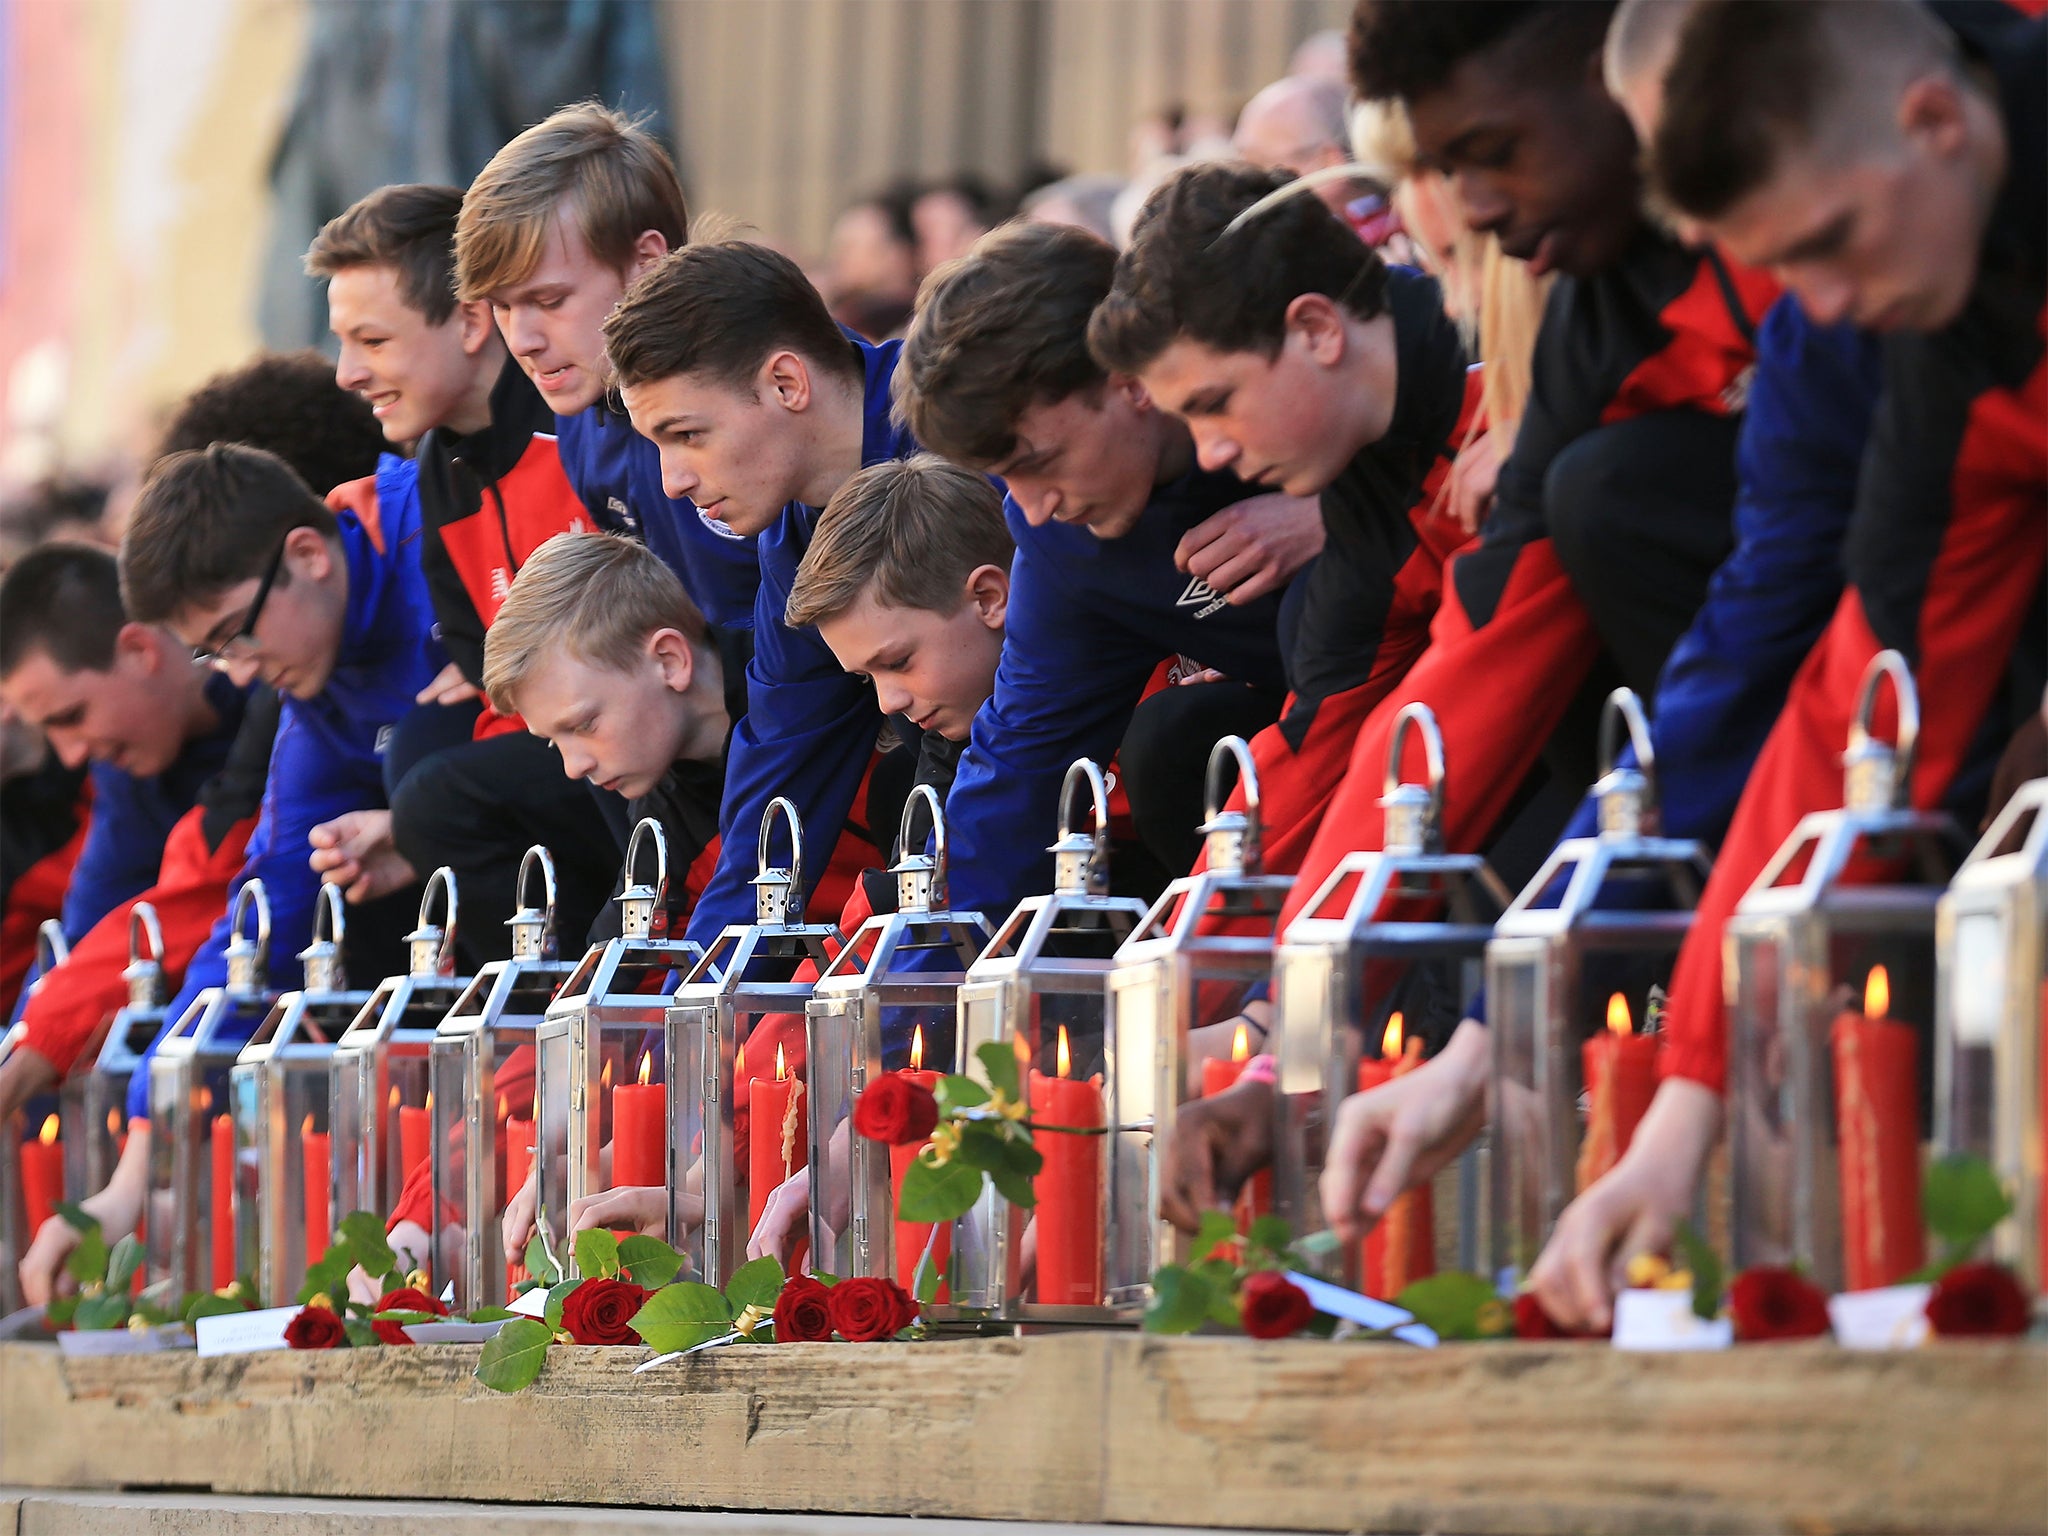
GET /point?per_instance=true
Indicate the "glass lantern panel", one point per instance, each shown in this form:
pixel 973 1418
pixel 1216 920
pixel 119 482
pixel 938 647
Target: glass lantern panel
pixel 835 1069
pixel 1517 992
pixel 1063 1036
pixel 245 1097
pixel 1981 993
pixel 1761 1117
pixel 551 1148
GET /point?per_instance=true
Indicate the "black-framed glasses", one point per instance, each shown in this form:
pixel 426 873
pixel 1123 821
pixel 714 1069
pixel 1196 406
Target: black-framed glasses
pixel 237 646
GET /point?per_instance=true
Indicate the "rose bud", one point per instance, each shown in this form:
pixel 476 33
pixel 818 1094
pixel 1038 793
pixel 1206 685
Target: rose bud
pixel 1273 1306
pixel 315 1328
pixel 1771 1303
pixel 1978 1300
pixel 896 1110
pixel 601 1311
pixel 802 1314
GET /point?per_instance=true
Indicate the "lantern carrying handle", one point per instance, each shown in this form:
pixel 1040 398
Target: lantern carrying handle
pixel 443 938
pixel 1420 716
pixel 537 857
pixel 144 927
pixel 1081 858
pixel 1083 771
pixel 1246 838
pixel 52 948
pixel 252 894
pixel 796 845
pixel 1623 707
pixel 1888 664
pixel 925 794
pixel 330 921
pixel 650 830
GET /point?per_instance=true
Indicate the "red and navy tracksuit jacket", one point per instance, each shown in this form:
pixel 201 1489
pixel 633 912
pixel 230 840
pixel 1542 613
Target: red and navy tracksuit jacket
pixel 328 756
pixel 488 500
pixel 44 818
pixel 1945 550
pixel 1664 329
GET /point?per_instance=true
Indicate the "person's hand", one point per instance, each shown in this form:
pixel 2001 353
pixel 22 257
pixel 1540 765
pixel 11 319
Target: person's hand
pixel 2025 757
pixel 785 1219
pixel 356 852
pixel 516 1225
pixel 117 1208
pixel 448 687
pixel 1396 1136
pixel 1474 473
pixel 1634 1208
pixel 43 1275
pixel 641 1207
pixel 1252 547
pixel 26 1073
pixel 1217 1144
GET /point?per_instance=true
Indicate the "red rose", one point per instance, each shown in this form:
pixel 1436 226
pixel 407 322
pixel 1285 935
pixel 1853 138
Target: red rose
pixel 803 1314
pixel 864 1310
pixel 600 1311
pixel 906 1307
pixel 1771 1303
pixel 1274 1306
pixel 316 1328
pixel 896 1110
pixel 1977 1300
pixel 405 1299
pixel 1532 1322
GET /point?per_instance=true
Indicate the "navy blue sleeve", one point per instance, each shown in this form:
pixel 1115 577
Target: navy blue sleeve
pixel 1069 677
pixel 123 847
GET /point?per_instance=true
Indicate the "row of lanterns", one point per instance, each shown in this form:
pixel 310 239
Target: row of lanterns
pixel 283 1111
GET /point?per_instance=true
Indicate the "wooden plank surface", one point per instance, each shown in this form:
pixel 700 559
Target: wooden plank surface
pixel 1091 1428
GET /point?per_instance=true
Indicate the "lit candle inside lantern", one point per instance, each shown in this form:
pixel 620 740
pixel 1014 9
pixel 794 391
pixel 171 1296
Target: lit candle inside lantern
pixel 1402 1248
pixel 42 1175
pixel 911 1236
pixel 1218 1076
pixel 316 1150
pixel 776 1146
pixel 1069 1187
pixel 640 1130
pixel 223 1202
pixel 1620 1070
pixel 415 1134
pixel 1877 1118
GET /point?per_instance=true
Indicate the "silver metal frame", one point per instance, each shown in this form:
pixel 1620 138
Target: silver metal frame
pixel 95 1102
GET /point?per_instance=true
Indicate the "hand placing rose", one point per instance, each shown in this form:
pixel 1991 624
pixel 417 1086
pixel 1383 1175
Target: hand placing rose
pixel 896 1110
pixel 315 1328
pixel 600 1311
pixel 1273 1306
pixel 867 1309
pixel 802 1312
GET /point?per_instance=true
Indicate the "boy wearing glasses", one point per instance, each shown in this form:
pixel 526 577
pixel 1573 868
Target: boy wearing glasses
pixel 327 604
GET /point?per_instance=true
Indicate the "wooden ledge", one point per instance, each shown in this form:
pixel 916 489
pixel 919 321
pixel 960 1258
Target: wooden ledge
pixel 1092 1427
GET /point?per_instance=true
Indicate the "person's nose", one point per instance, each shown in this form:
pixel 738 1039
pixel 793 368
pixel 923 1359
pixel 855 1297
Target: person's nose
pixel 241 670
pixel 1826 298
pixel 351 371
pixel 523 333
pixel 1215 449
pixel 70 748
pixel 678 478
pixel 1039 503
pixel 894 698
pixel 1487 209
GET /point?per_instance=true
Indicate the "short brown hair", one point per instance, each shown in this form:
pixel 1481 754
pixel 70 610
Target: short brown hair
pixel 596 596
pixel 410 229
pixel 63 600
pixel 1000 330
pixel 912 529
pixel 612 169
pixel 1188 273
pixel 721 308
pixel 206 519
pixel 287 404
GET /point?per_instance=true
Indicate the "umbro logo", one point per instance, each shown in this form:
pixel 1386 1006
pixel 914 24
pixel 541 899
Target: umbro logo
pixel 1201 597
pixel 623 513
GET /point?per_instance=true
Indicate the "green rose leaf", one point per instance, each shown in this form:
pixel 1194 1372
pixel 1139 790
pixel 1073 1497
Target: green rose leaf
pixel 757 1283
pixel 60 1310
pixel 537 1262
pixel 1021 1157
pixel 513 1357
pixel 1450 1303
pixel 557 1294
pixel 204 1305
pixel 1217 1229
pixel 944 1193
pixel 597 1254
pixel 98 1313
pixel 1270 1234
pixel 88 1261
pixel 360 1334
pixel 123 1262
pixel 1181 1301
pixel 682 1316
pixel 362 1233
pixel 998 1059
pixel 957 1092
pixel 1964 1201
pixel 407 1317
pixel 647 1261
pixel 489 1315
pixel 1705 1264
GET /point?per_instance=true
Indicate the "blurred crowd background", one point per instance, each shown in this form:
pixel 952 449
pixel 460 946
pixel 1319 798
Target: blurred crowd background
pixel 164 163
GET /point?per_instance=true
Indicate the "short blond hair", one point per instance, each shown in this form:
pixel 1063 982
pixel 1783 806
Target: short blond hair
pixel 611 169
pixel 912 529
pixel 594 596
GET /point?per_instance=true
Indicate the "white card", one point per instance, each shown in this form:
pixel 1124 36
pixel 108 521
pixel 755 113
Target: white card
pixel 1665 1320
pixel 533 1304
pixel 453 1333
pixel 1366 1311
pixel 1891 1317
pixel 241 1333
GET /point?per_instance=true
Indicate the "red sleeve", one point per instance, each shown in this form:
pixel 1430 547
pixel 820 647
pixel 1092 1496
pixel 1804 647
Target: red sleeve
pixel 36 896
pixel 191 891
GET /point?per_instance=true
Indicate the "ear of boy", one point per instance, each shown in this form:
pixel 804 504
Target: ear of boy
pixel 987 589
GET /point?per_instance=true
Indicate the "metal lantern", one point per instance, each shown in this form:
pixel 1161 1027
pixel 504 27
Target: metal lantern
pixel 1386 952
pixel 95 1103
pixel 1991 953
pixel 378 1073
pixel 190 1210
pixel 753 975
pixel 1575 974
pixel 894 988
pixel 1831 989
pixel 279 1089
pixel 14 1233
pixel 599 1033
pixel 1192 962
pixel 483 1121
pixel 1042 987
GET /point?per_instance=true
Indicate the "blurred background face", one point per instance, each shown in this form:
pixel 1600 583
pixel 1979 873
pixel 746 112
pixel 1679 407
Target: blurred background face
pixel 621 730
pixel 733 452
pixel 936 669
pixel 1295 126
pixel 1090 460
pixel 124 716
pixel 414 375
pixel 868 256
pixel 553 320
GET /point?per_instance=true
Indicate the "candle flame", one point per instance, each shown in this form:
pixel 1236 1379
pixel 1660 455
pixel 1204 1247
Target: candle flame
pixel 1390 1042
pixel 1877 993
pixel 1618 1021
pixel 48 1135
pixel 430 1103
pixel 394 1096
pixel 306 1125
pixel 1241 1044
pixel 501 1106
pixel 646 1066
pixel 916 1048
pixel 604 1078
pixel 781 1065
pixel 1066 1056
pixel 113 1122
pixel 204 1099
pixel 739 1063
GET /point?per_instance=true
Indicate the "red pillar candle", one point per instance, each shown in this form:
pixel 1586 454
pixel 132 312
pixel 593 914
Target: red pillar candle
pixel 518 1144
pixel 1620 1069
pixel 317 1152
pixel 776 1136
pixel 42 1175
pixel 1402 1247
pixel 640 1131
pixel 223 1202
pixel 415 1136
pixel 1069 1187
pixel 1877 1118
pixel 912 1236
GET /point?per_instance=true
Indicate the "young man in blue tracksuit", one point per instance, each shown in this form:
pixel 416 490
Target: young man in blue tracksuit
pixel 328 605
pixel 760 407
